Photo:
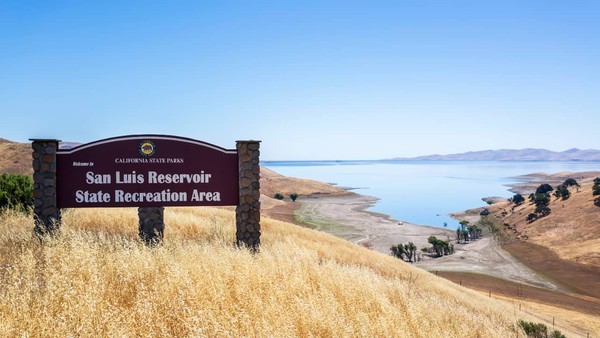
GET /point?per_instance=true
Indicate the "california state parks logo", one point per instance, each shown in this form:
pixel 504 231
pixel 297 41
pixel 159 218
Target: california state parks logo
pixel 147 148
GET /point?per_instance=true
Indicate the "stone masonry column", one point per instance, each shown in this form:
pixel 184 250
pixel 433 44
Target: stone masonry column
pixel 248 209
pixel 46 212
pixel 151 224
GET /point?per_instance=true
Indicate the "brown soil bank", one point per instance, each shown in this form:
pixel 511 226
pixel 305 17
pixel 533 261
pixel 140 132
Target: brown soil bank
pixel 522 292
pixel 583 279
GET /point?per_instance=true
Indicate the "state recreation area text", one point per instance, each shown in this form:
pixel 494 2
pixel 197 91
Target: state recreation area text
pixel 166 195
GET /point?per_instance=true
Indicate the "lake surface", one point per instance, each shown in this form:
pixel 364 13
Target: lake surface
pixel 424 192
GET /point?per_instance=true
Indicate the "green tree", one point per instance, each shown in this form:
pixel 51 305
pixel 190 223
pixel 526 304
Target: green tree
pixel 571 182
pixel 398 251
pixel 462 232
pixel 411 251
pixel 562 191
pixel 278 196
pixel 542 202
pixel 596 187
pixel 518 199
pixel 473 231
pixel 293 196
pixel 16 192
pixel 543 188
pixel 543 210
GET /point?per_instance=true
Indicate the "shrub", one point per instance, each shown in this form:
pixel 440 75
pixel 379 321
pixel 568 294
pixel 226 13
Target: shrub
pixel 532 217
pixel 278 196
pixel 16 192
pixel 293 196
pixel 538 330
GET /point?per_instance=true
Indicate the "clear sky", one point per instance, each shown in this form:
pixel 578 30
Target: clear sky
pixel 311 79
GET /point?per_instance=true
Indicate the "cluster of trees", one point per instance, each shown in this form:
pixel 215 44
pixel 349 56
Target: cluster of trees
pixel 439 247
pixel 466 232
pixel 408 252
pixel 16 192
pixel 541 197
pixel 405 252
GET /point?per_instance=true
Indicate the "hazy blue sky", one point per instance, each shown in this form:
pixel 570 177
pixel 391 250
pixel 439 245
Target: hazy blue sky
pixel 311 79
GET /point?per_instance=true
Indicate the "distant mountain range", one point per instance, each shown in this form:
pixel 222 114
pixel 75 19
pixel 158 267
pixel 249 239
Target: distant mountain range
pixel 528 154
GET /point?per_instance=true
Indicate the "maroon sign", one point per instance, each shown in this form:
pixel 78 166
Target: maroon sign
pixel 146 171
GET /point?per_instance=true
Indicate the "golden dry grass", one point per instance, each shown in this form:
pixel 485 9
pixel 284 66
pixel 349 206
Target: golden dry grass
pixel 16 157
pixel 272 183
pixel 95 279
pixel 580 324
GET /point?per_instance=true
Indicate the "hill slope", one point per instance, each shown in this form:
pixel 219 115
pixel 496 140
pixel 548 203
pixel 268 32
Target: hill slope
pixel 15 157
pixel 95 279
pixel 571 230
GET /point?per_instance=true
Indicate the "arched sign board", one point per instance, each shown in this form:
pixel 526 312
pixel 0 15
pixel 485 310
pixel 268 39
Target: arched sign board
pixel 146 171
pixel 149 172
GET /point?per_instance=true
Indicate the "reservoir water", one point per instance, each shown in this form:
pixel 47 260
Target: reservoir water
pixel 424 192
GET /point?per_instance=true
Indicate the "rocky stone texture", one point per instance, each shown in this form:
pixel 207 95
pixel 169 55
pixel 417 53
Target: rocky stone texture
pixel 46 212
pixel 151 224
pixel 248 209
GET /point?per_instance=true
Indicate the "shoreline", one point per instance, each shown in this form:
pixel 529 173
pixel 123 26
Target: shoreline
pixel 347 216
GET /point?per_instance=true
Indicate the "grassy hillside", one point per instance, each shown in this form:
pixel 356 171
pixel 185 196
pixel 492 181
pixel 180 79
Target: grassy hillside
pixel 15 158
pixel 96 279
pixel 571 230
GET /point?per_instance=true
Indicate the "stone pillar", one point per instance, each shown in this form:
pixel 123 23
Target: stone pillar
pixel 151 224
pixel 45 210
pixel 248 209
